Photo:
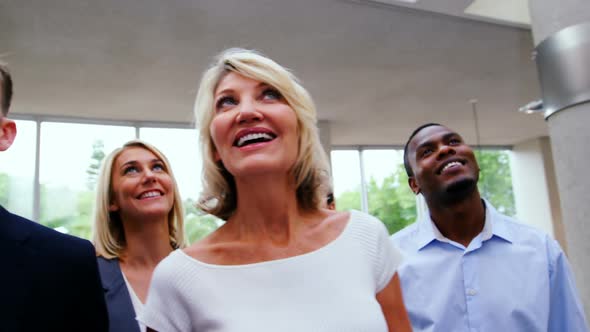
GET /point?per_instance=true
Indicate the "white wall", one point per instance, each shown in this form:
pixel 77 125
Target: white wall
pixel 535 187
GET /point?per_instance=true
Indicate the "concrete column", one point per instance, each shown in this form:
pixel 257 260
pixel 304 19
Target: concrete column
pixel 536 194
pixel 570 139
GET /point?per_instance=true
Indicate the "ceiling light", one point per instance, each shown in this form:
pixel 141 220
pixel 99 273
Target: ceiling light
pixel 532 107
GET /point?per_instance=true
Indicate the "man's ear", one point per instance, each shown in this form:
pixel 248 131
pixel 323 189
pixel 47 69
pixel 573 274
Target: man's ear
pixel 414 185
pixel 7 133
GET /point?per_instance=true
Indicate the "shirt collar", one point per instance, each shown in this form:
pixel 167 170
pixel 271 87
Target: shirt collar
pixel 494 225
pixel 498 223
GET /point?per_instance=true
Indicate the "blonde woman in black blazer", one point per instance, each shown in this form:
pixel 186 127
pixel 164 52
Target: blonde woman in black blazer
pixel 138 221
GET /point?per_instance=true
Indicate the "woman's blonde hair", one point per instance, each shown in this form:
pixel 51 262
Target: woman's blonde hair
pixel 108 234
pixel 219 192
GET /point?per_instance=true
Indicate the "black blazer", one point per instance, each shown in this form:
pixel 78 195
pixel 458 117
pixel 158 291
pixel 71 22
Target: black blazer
pixel 49 280
pixel 121 312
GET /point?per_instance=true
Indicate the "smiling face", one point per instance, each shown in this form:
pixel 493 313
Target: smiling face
pixel 443 165
pixel 254 129
pixel 141 185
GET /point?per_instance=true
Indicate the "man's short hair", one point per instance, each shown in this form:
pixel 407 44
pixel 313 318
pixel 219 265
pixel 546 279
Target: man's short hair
pixel 407 166
pixel 6 92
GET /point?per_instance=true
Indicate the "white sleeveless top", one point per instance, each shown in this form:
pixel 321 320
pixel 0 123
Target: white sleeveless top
pixel 330 289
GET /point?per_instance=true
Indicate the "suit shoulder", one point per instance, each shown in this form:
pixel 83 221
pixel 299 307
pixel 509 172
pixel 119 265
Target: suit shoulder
pixel 51 243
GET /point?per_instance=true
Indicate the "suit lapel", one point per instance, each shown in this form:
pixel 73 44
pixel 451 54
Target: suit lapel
pixel 121 312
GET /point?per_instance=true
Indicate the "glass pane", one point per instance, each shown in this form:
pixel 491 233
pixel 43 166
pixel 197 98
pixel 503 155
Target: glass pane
pixel 346 176
pixel 17 171
pixel 181 147
pixel 495 179
pixel 70 159
pixel 388 194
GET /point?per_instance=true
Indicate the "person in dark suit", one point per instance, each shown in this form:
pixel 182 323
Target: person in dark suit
pixel 138 221
pixel 49 280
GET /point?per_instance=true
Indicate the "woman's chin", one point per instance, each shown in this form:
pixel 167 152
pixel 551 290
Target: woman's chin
pixel 261 167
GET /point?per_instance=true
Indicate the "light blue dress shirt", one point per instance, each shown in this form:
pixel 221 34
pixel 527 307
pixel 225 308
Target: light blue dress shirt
pixel 510 278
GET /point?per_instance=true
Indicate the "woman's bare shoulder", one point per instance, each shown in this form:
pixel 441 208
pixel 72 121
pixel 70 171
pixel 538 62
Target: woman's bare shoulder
pixel 217 248
pixel 335 220
pixel 330 224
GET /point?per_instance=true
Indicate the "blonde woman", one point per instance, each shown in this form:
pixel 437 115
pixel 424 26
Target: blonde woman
pixel 280 262
pixel 138 221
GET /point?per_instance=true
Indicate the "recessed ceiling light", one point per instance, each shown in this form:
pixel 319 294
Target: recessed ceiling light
pixel 532 107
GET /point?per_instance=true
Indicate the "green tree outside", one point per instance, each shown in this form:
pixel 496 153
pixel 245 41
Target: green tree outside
pixel 349 200
pixel 495 180
pixel 95 162
pixel 56 209
pixel 392 201
pixel 197 225
pixel 4 188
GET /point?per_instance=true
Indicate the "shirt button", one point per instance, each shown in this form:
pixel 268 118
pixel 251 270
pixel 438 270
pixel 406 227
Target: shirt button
pixel 471 292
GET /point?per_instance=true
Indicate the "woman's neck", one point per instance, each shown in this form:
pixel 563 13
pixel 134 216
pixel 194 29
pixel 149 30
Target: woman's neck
pixel 267 209
pixel 146 243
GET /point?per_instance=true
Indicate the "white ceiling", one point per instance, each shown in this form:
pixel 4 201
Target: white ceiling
pixel 376 71
pixel 506 12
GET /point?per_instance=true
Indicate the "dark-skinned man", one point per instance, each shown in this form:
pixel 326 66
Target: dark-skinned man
pixel 468 267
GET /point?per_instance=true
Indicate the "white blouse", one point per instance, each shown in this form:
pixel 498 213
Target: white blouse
pixel 137 304
pixel 330 289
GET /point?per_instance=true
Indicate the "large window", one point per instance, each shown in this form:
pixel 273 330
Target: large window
pixel 70 155
pixel 388 195
pixel 371 180
pixel 17 171
pixel 346 176
pixel 374 181
pixel 495 179
pixel 70 159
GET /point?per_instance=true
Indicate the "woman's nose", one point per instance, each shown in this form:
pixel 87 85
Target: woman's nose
pixel 248 113
pixel 149 176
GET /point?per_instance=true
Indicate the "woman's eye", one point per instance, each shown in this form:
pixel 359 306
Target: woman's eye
pixel 224 102
pixel 271 93
pixel 159 167
pixel 130 170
